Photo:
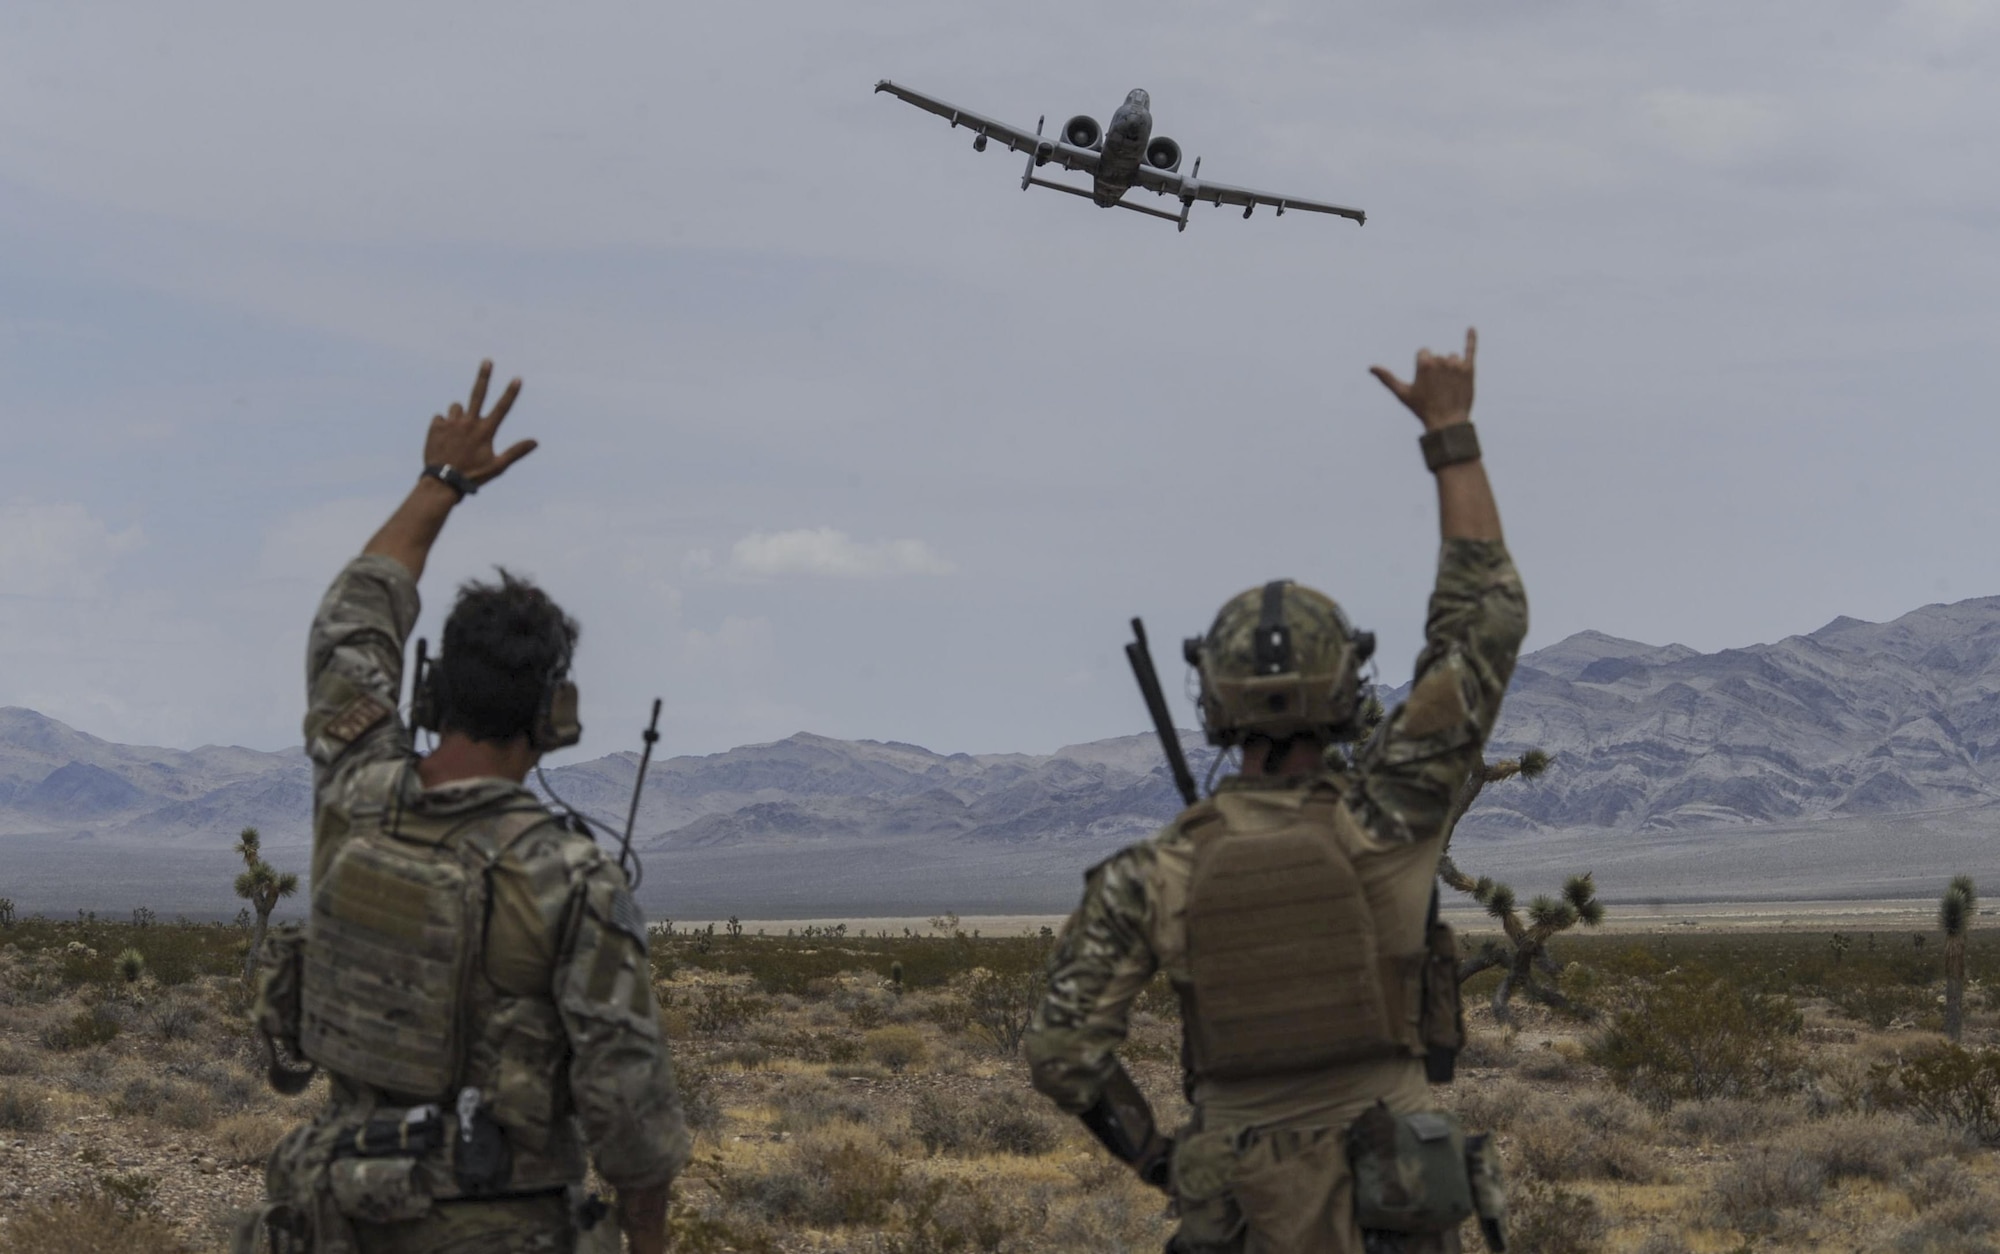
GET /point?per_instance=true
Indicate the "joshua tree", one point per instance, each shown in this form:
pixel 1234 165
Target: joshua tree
pixel 261 885
pixel 1525 952
pixel 1525 956
pixel 1530 766
pixel 1961 901
pixel 1840 945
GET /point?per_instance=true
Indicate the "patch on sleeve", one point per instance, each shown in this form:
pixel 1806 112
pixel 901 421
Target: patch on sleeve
pixel 1435 705
pixel 355 718
pixel 627 917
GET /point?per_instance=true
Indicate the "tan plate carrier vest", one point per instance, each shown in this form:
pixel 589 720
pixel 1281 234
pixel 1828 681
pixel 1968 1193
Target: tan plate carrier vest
pixel 395 939
pixel 1285 953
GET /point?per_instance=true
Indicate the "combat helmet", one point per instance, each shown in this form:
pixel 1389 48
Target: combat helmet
pixel 1280 661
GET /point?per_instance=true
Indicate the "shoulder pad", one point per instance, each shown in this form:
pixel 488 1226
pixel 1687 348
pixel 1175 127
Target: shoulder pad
pixel 1191 824
pixel 1142 852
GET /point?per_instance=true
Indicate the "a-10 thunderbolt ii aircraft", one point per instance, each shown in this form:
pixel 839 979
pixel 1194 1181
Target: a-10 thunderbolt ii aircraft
pixel 1118 158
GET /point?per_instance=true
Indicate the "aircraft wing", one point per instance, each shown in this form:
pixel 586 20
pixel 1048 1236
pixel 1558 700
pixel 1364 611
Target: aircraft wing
pixel 1045 147
pixel 1188 189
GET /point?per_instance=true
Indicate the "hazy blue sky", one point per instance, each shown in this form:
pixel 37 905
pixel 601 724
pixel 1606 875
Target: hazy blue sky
pixel 842 432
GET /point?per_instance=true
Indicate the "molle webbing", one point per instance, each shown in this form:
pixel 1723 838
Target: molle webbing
pixel 395 938
pixel 1283 956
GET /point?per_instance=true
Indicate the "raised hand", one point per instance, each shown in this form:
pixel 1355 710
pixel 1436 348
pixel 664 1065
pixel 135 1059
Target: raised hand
pixel 462 437
pixel 1441 392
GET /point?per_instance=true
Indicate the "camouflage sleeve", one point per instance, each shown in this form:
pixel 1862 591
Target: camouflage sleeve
pixel 1411 771
pixel 354 667
pixel 1101 962
pixel 621 1076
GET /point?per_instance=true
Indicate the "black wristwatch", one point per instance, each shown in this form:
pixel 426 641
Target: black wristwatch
pixel 1448 446
pixel 452 477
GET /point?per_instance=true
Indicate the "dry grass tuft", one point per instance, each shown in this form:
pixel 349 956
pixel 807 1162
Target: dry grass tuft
pixel 17 1061
pixel 1603 1136
pixel 247 1139
pixel 898 1047
pixel 1756 1193
pixel 996 1121
pixel 1550 1219
pixel 822 1181
pixel 1872 1147
pixel 23 1108
pixel 1493 1105
pixel 701 1106
pixel 1489 1050
pixel 92 1223
pixel 1728 1120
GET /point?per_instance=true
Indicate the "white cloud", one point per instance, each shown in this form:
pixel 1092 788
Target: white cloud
pixel 825 551
pixel 60 550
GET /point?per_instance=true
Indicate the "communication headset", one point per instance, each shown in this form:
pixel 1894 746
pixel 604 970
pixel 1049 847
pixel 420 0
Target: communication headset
pixel 556 724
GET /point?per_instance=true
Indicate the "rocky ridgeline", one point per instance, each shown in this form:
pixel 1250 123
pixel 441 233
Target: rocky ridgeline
pixel 1855 720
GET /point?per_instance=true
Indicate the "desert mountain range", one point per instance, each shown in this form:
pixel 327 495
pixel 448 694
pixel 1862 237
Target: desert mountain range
pixel 1827 745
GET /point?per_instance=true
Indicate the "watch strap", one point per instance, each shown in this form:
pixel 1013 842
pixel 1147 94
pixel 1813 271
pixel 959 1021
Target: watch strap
pixel 1448 446
pixel 452 477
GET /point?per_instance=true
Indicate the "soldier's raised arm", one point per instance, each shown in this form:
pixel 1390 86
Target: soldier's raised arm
pixel 1440 395
pixel 458 461
pixel 1478 615
pixel 354 653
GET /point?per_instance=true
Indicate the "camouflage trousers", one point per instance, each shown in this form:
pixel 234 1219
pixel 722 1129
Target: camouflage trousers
pixel 523 1225
pixel 1283 1192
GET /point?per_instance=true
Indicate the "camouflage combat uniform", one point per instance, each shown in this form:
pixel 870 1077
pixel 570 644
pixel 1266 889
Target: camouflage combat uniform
pixel 1263 1166
pixel 560 1026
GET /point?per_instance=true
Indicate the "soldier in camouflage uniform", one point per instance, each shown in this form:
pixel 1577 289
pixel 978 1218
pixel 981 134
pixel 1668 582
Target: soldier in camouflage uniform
pixel 1293 911
pixel 474 975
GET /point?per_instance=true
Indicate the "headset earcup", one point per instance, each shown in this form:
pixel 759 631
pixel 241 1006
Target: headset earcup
pixel 557 725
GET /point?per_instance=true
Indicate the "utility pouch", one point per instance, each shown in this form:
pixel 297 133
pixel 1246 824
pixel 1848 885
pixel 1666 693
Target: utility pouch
pixel 378 1190
pixel 391 1134
pixel 1489 1189
pixel 482 1162
pixel 1442 1021
pixel 280 961
pixel 1409 1171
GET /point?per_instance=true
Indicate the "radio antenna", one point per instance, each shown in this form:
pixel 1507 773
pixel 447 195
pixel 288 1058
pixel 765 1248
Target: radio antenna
pixel 652 737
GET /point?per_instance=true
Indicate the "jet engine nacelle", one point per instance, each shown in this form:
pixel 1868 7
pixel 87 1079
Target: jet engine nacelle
pixel 1163 154
pixel 1082 131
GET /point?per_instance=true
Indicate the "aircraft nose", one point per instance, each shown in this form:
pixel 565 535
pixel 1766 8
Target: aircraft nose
pixel 1139 97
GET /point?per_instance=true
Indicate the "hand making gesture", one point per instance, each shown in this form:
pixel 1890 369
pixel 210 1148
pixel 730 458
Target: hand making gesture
pixel 1441 397
pixel 1441 392
pixel 461 438
pixel 458 458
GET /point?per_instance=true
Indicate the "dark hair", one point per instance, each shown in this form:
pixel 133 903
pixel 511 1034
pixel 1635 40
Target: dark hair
pixel 504 644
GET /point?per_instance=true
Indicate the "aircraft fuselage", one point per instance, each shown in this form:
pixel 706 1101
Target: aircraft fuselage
pixel 1124 147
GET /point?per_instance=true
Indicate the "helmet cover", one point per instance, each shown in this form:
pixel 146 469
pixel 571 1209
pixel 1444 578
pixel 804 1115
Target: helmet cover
pixel 1279 661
